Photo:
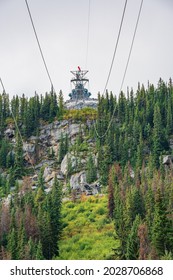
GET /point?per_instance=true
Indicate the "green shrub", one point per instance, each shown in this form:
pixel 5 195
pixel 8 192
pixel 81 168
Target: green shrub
pixel 65 224
pixel 87 234
pixel 70 205
pixel 81 209
pixel 91 218
pixel 76 238
pixel 85 245
pixel 101 210
pixel 71 217
pixel 101 223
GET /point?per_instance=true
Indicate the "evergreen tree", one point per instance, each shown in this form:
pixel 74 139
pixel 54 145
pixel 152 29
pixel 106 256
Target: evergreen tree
pixel 140 153
pixel 143 241
pixel 169 125
pixel 55 214
pixel 69 167
pixel 60 105
pixel 133 241
pixel 137 207
pixel 41 182
pixel 18 161
pixel 30 250
pixel 12 244
pixel 39 253
pixel 45 234
pixel 91 173
pixel 111 199
pixel 4 149
pixel 21 242
pixel 162 230
pixel 157 136
pixel 61 149
pixel 53 105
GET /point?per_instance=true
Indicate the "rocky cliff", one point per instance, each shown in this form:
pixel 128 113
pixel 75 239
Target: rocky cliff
pixel 43 151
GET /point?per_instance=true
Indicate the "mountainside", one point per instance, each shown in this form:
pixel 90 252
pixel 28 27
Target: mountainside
pixel 65 171
pixel 60 150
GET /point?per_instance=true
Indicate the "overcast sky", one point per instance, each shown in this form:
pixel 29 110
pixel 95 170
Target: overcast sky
pixel 62 30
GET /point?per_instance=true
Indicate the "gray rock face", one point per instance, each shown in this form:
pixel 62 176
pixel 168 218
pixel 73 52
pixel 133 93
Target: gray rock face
pixel 29 148
pixel 92 189
pixel 60 176
pixel 44 163
pixel 90 102
pixel 33 139
pixel 71 130
pixel 47 172
pixel 64 163
pixel 29 153
pixel 79 184
pixel 51 134
pixel 50 177
pixel 78 180
pixel 9 133
pixel 168 159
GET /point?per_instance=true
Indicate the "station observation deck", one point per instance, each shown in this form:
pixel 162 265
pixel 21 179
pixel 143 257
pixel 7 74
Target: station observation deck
pixel 79 81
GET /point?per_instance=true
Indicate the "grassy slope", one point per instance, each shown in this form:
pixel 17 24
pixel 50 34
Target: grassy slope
pixel 88 233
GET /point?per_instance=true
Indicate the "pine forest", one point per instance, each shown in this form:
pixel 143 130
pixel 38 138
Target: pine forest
pixel 124 207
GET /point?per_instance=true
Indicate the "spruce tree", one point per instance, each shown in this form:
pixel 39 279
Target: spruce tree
pixel 60 105
pixel 157 136
pixel 12 244
pixel 61 149
pixel 4 149
pixel 162 230
pixel 169 124
pixel 55 214
pixel 21 242
pixel 41 182
pixel 143 242
pixel 140 153
pixel 91 173
pixel 111 198
pixel 39 252
pixel 133 241
pixel 19 160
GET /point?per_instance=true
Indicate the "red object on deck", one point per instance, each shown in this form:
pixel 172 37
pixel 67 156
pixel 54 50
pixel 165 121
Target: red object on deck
pixel 79 68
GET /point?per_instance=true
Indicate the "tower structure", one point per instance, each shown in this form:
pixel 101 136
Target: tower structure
pixel 79 82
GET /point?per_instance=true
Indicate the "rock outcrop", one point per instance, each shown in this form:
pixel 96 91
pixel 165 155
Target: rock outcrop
pixel 51 133
pixel 37 151
pixel 168 160
pixel 79 183
pixel 79 104
pixel 9 133
pixel 74 161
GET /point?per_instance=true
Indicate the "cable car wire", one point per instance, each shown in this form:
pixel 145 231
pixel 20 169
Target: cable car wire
pixel 116 46
pixel 2 85
pixel 131 47
pixel 125 72
pixel 39 45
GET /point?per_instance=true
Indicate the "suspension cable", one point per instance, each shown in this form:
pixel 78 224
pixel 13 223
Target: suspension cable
pixel 17 127
pixel 2 85
pixel 131 47
pixel 125 72
pixel 116 46
pixel 39 45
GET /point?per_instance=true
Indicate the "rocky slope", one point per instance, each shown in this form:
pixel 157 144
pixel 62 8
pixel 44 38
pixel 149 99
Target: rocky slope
pixel 43 151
